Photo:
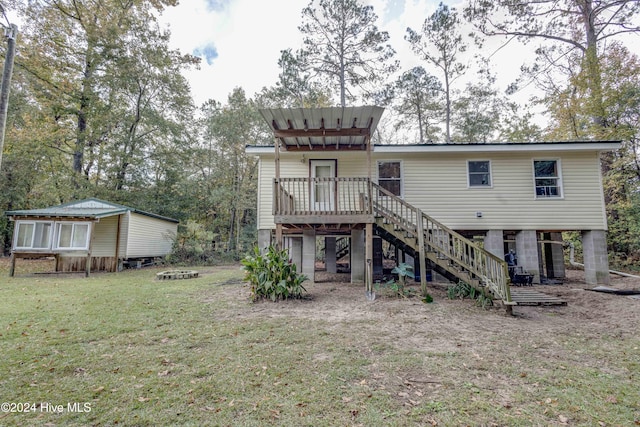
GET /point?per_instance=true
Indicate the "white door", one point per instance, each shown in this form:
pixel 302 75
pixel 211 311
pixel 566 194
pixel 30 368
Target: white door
pixel 323 195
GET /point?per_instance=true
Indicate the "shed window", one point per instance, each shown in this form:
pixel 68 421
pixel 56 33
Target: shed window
pixel 479 173
pixel 73 235
pixel 33 235
pixel 547 178
pixel 390 177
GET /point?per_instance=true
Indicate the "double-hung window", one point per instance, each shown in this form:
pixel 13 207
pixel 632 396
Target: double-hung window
pixel 479 173
pixel 72 235
pixel 33 235
pixel 547 177
pixel 390 177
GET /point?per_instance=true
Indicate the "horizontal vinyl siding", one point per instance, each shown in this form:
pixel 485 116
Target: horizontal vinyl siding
pixel 124 236
pixel 437 184
pixel 103 241
pixel 292 165
pixel 149 236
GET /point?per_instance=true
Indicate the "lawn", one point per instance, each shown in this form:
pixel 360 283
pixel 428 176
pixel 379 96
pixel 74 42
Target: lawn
pixel 125 349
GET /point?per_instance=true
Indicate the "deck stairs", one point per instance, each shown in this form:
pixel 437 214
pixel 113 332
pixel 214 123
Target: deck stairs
pixel 451 254
pixel 342 247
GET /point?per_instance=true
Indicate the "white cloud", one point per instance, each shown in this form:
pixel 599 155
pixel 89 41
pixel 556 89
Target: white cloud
pixel 248 35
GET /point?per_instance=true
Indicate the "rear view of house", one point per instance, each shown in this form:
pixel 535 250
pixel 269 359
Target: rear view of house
pixel 457 208
pixel 91 235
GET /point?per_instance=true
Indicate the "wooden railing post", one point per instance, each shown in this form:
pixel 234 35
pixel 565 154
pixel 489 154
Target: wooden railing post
pixel 421 249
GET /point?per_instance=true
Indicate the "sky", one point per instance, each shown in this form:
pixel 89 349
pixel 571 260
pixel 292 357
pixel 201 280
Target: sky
pixel 239 41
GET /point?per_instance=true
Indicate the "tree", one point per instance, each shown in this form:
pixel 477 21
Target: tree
pixel 227 178
pixel 417 98
pixel 576 29
pixel 478 110
pixel 343 45
pixel 294 87
pixel 78 55
pixel 440 43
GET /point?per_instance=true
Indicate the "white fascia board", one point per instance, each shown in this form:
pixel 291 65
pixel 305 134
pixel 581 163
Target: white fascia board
pixel 485 148
pixel 471 148
pixel 256 150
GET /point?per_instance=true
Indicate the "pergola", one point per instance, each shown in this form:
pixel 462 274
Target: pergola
pixel 325 130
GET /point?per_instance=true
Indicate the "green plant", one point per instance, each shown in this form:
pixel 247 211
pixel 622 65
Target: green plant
pixel 271 275
pixel 484 300
pixel 464 290
pixel 393 288
pixel 460 290
pixel 397 288
pixel 427 299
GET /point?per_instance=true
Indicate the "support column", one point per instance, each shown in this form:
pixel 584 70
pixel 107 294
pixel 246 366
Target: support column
pixel 369 257
pixel 554 256
pixel 264 239
pixel 494 243
pixel 596 258
pixel 357 256
pixel 12 268
pixel 527 252
pixel 294 244
pixel 309 254
pixel 330 254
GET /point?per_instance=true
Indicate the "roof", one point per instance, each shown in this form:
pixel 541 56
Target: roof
pixel 87 208
pixel 332 128
pixel 476 147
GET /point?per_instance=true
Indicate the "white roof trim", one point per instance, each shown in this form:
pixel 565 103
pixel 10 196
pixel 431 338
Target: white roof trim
pixel 474 148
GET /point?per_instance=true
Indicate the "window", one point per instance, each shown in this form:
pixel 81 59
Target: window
pixel 547 178
pixel 390 177
pixel 33 235
pixel 479 173
pixel 72 235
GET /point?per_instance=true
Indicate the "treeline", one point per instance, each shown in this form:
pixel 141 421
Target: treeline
pixel 99 106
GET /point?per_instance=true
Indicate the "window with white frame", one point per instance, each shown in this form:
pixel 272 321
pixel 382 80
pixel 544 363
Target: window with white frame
pixel 33 235
pixel 390 177
pixel 547 178
pixel 72 235
pixel 479 173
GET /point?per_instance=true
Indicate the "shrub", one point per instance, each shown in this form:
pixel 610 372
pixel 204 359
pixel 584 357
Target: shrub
pixel 464 290
pixel 272 276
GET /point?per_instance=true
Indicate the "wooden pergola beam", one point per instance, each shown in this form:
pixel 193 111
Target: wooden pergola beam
pixel 310 133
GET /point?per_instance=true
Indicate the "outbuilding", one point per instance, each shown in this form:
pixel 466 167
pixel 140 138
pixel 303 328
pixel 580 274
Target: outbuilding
pixel 91 235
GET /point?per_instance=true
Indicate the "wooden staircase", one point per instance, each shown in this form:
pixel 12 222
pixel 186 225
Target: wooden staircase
pixel 453 255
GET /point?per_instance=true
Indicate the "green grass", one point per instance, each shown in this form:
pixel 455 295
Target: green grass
pixel 189 352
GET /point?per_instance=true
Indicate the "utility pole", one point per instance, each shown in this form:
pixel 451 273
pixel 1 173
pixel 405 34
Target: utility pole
pixel 11 33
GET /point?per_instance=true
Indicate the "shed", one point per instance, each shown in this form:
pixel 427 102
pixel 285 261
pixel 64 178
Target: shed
pixel 90 235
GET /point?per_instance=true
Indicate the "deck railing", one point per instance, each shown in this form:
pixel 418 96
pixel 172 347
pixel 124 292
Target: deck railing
pixel 321 196
pixel 438 238
pixel 360 196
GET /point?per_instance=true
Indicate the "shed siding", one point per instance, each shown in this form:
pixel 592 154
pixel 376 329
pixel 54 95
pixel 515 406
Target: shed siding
pixel 437 184
pixel 124 235
pixel 149 236
pixel 103 241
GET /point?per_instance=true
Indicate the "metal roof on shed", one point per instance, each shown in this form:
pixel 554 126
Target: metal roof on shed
pixel 87 208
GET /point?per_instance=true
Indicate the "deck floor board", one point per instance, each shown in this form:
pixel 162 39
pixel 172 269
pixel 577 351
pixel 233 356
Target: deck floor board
pixel 528 296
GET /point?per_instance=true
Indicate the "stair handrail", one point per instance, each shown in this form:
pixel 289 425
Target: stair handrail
pixel 491 269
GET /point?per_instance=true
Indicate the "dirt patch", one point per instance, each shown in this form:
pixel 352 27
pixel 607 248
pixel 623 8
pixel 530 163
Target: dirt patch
pixel 408 322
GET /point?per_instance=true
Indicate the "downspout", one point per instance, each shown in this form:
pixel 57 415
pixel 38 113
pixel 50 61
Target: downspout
pixel 577 264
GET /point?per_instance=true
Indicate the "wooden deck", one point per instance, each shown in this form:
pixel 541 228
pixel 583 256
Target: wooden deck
pixel 527 296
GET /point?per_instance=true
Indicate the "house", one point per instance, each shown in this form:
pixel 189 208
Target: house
pixel 455 208
pixel 90 235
